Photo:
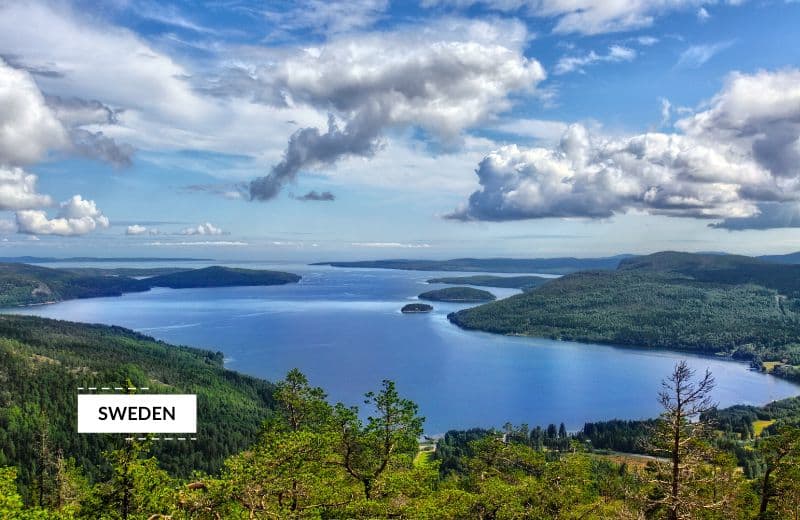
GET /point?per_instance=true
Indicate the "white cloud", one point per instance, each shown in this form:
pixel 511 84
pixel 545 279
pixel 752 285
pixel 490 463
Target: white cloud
pixel 390 245
pixel 200 243
pixel 540 129
pixel 464 72
pixel 735 160
pixel 702 14
pixel 27 126
pixel 18 190
pixel 325 16
pixel 647 41
pixel 77 216
pixel 589 16
pixel 666 111
pixel 615 54
pixel 697 55
pixel 206 228
pixel 136 229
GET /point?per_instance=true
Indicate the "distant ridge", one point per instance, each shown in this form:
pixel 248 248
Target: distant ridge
pixel 789 258
pixel 48 260
pixel 561 265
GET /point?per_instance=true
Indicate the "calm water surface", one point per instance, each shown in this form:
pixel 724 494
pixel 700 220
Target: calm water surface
pixel 344 329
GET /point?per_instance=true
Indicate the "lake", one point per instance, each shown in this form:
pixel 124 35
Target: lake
pixel 344 329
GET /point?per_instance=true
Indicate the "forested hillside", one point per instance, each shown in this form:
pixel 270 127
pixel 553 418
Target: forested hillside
pixel 724 304
pixel 22 284
pixel 43 362
pixel 315 460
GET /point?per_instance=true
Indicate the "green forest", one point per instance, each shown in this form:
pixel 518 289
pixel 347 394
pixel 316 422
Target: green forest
pixel 458 294
pixel 23 284
pixel 524 283
pixel 284 451
pixel 716 304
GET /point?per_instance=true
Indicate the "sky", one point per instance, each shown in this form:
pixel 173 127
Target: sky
pixel 324 130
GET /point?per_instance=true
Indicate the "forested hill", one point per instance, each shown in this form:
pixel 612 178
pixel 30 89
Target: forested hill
pixel 491 265
pixel 23 284
pixel 216 276
pixel 43 362
pixel 725 304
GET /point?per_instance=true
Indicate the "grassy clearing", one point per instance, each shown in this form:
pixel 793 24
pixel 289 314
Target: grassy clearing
pixel 769 366
pixel 758 426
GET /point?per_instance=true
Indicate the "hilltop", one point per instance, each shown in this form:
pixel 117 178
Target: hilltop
pixel 716 304
pixel 23 284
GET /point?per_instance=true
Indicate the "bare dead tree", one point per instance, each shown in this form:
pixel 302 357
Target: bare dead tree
pixel 679 436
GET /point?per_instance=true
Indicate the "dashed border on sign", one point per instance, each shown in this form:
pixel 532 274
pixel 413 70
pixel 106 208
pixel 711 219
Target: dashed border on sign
pixel 118 388
pixel 129 439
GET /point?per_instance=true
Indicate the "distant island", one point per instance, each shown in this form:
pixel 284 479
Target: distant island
pixel 458 295
pixel 412 308
pixel 52 260
pixel 524 283
pixel 716 304
pixel 217 276
pixel 23 284
pixel 492 265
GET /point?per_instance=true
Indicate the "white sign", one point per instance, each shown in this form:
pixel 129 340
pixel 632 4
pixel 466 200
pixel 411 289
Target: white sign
pixel 137 413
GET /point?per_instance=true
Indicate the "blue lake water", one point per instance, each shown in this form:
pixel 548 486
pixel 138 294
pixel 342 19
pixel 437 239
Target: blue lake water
pixel 344 329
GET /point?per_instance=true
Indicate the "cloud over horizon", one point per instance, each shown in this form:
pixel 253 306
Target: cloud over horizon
pixel 731 159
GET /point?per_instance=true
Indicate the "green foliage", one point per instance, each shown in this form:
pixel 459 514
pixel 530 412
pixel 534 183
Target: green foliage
pixel 709 303
pixel 22 284
pixel 312 459
pixel 458 294
pixel 216 276
pixel 416 307
pixel 42 362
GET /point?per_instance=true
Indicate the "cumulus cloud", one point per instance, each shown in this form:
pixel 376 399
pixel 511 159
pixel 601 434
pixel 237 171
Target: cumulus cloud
pixel 76 216
pixel 96 145
pixel 703 14
pixel 738 159
pixel 18 190
pixel 317 196
pixel 138 229
pixel 27 126
pixel 769 215
pixel 442 79
pixel 206 228
pixel 615 54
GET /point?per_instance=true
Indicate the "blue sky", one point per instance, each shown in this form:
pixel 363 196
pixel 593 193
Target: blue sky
pixel 372 129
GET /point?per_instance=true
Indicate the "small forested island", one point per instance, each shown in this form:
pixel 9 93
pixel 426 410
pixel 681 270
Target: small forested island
pixel 23 284
pixel 717 304
pixel 524 283
pixel 283 450
pixel 412 308
pixel 458 295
